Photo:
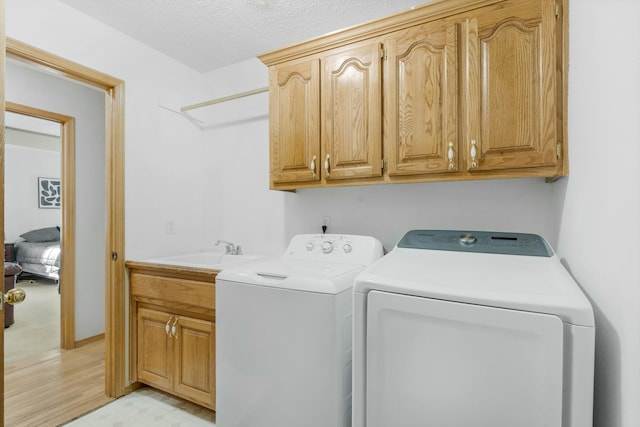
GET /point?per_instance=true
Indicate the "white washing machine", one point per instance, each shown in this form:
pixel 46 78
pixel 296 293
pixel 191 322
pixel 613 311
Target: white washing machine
pixel 283 334
pixel 479 329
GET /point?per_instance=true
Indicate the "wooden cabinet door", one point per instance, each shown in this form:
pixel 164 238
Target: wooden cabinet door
pixel 195 357
pixel 510 93
pixel 421 108
pixel 352 112
pixel 294 107
pixel 154 348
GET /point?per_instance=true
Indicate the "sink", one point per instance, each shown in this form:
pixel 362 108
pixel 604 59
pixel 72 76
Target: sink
pixel 232 259
pixel 212 260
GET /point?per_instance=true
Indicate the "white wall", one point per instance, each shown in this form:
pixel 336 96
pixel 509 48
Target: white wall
pixel 163 151
pixel 163 154
pixel 23 166
pixel 598 206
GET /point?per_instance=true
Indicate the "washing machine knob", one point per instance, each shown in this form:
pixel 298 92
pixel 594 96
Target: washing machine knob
pixel 347 248
pixel 468 239
pixel 310 246
pixel 327 247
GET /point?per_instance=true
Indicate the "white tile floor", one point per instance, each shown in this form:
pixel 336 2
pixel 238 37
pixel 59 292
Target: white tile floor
pixel 147 407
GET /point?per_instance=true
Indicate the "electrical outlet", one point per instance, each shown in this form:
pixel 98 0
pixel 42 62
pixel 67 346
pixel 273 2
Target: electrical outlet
pixel 326 220
pixel 171 227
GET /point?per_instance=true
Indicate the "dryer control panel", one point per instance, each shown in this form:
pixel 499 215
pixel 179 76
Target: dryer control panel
pixel 477 241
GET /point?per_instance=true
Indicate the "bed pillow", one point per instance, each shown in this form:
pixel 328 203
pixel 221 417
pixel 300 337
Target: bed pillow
pixel 48 234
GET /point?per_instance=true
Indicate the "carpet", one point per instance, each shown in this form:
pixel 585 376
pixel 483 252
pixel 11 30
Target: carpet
pixel 37 320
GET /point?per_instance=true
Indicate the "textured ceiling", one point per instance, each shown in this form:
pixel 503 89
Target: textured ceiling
pixel 209 34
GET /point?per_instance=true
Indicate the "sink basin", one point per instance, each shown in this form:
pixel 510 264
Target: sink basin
pixel 232 259
pixel 212 260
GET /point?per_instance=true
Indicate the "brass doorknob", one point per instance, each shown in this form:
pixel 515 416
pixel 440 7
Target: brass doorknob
pixel 15 296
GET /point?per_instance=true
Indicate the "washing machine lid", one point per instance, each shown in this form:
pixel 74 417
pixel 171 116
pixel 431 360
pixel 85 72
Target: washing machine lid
pixel 307 276
pixel 533 283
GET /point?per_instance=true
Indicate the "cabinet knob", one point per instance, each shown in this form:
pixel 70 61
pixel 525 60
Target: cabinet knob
pixel 313 167
pixel 326 166
pixel 474 153
pixel 450 155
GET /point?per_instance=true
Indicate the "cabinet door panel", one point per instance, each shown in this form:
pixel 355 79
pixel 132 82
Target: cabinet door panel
pixel 511 86
pixel 154 351
pixel 294 95
pixel 195 360
pixel 352 112
pixel 421 106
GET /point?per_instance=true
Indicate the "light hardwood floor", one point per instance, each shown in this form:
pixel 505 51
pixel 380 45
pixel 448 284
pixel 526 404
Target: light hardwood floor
pixel 55 387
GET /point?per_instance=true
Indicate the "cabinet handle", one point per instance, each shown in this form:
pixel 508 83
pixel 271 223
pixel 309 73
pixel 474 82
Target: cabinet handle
pixel 474 153
pixel 167 327
pixel 313 167
pixel 450 156
pixel 326 166
pixel 173 327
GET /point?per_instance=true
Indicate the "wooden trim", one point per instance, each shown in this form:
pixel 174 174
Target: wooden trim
pixel 89 340
pixel 174 271
pixel 409 18
pixel 2 104
pixel 49 61
pixel 67 241
pixel 115 336
pixel 115 328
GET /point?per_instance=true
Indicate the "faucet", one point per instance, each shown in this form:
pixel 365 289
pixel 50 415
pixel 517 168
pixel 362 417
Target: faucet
pixel 230 248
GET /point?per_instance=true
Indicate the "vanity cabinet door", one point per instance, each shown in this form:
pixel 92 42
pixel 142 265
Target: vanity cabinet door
pixel 510 86
pixel 352 112
pixel 421 92
pixel 294 113
pixel 154 348
pixel 195 359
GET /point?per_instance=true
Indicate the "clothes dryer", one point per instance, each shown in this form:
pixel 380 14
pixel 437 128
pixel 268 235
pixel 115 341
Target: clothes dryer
pixel 466 329
pixel 283 334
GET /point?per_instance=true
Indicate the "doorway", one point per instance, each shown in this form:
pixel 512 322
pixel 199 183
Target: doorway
pixel 67 217
pixel 115 357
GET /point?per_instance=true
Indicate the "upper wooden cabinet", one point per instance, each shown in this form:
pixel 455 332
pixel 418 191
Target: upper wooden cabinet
pixel 421 93
pixel 454 89
pixel 352 112
pixel 294 121
pixel 510 86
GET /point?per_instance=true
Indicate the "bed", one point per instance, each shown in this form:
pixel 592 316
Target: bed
pixel 39 252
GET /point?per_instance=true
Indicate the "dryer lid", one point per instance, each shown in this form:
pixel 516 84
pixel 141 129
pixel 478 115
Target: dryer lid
pixel 533 283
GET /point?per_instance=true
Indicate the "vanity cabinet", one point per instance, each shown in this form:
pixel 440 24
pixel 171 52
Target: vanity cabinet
pixel 173 330
pixel 451 90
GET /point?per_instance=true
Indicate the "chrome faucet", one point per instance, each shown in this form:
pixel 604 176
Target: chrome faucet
pixel 230 248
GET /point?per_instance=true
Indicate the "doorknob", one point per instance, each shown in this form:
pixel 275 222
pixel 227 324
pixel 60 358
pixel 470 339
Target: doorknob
pixel 14 296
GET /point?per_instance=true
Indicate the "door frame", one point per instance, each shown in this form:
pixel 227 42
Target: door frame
pixel 67 240
pixel 115 290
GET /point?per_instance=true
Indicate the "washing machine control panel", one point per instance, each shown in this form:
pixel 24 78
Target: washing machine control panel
pixel 334 247
pixel 477 241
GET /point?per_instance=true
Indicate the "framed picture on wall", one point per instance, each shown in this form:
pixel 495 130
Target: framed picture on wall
pixel 49 193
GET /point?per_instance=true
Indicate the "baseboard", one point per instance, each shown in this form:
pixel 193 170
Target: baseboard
pixel 89 340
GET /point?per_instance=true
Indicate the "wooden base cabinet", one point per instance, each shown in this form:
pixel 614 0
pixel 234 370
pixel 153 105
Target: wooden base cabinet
pixel 451 90
pixel 173 330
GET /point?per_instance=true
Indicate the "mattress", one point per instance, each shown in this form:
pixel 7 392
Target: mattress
pixel 40 258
